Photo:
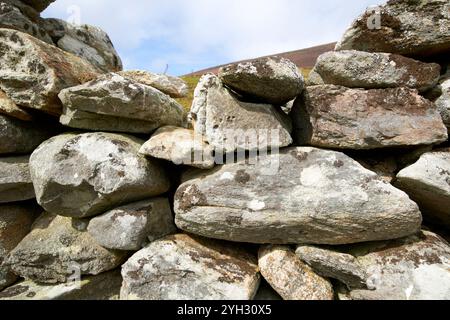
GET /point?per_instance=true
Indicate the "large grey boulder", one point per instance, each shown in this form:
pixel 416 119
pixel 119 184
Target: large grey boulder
pixel 358 69
pixel 15 180
pixel 32 72
pixel 15 224
pixel 302 195
pixel 340 118
pixel 113 95
pixel 132 226
pixel 90 121
pixel 9 108
pixel 413 268
pixel 333 264
pixel 87 174
pixel 20 137
pixel 228 124
pixel 12 16
pixel 105 286
pixel 428 182
pixel 412 28
pixel 270 80
pixel 59 248
pixel 181 267
pixel 172 86
pixel 85 41
pixel 180 146
pixel 290 277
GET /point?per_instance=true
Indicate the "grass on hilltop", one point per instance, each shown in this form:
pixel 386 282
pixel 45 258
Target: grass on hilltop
pixel 192 82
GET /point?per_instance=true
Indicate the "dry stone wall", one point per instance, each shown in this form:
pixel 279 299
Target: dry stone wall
pixel 272 186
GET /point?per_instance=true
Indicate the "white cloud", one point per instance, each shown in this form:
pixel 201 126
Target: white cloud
pixel 191 32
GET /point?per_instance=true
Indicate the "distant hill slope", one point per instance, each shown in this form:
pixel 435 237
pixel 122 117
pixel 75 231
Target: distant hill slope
pixel 305 58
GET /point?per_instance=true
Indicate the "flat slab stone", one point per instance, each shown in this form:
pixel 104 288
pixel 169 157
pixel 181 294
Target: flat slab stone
pixel 358 69
pixel 258 202
pixel 336 117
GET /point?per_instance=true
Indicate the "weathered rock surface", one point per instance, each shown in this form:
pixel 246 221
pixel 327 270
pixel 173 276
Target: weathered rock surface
pixel 172 86
pixel 414 268
pixel 290 277
pixel 428 183
pixel 15 224
pixel 181 267
pixel 358 69
pixel 228 124
pixel 88 174
pixel 332 264
pixel 87 42
pixel 15 180
pixel 21 137
pixel 340 118
pixel 180 146
pixel 32 73
pixel 57 249
pixel 412 28
pixel 114 95
pixel 443 102
pixel 39 5
pixel 105 286
pixel 9 108
pixel 340 201
pixel 270 80
pixel 130 227
pixel 99 122
pixel 12 17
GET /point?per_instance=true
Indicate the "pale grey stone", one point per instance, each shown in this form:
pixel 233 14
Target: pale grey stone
pixel 341 202
pixel 56 250
pixel 413 268
pixel 87 174
pixel 228 124
pixel 32 72
pixel 181 267
pixel 113 95
pixel 290 277
pixel 270 80
pixel 180 146
pixel 358 69
pixel 132 226
pixel 87 42
pixel 428 183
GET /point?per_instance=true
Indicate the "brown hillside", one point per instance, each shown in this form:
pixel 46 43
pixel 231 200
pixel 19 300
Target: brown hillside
pixel 305 58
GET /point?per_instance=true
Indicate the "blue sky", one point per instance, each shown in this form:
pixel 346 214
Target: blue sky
pixel 190 35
